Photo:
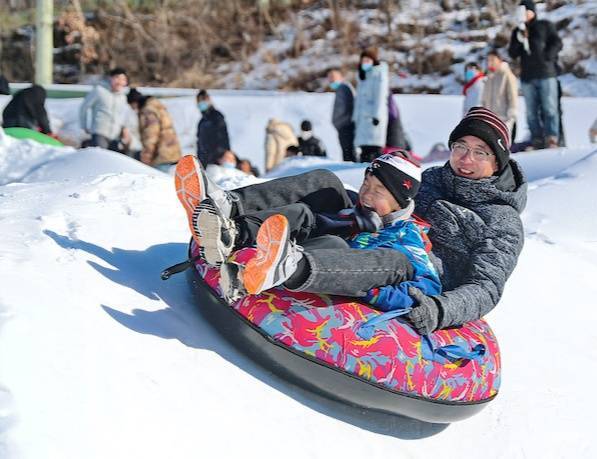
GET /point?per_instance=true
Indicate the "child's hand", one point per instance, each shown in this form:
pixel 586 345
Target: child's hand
pixel 367 220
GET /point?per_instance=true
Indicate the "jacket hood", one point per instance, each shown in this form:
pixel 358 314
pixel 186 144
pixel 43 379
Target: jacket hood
pixel 508 188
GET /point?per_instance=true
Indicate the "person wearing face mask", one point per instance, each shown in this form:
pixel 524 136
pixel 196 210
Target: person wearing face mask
pixel 228 160
pixel 371 105
pixel 161 148
pixel 342 112
pixel 500 94
pixel 474 82
pixel 212 132
pixel 309 145
pixel 102 113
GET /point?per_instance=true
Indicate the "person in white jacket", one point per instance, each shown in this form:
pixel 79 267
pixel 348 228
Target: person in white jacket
pixel 474 81
pixel 102 113
pixel 500 94
pixel 370 113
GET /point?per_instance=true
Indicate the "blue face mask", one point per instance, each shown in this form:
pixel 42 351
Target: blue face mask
pixel 228 165
pixel 335 85
pixel 366 67
pixel 202 106
pixel 469 75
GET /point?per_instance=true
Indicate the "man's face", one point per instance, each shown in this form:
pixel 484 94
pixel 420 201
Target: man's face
pixel 472 158
pixel 493 63
pixel 334 75
pixel 530 15
pixel 374 195
pixel 118 82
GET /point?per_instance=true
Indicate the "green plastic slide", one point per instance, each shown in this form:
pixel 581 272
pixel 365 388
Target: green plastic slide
pixel 24 133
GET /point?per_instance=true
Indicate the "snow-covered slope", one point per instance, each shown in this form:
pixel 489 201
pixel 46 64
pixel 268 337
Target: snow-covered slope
pixel 100 358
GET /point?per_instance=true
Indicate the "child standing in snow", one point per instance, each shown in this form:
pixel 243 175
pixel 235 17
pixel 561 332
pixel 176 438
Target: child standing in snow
pixel 374 250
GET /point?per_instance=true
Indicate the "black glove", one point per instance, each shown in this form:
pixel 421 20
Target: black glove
pixel 424 316
pixel 367 220
pixel 339 225
pixel 375 121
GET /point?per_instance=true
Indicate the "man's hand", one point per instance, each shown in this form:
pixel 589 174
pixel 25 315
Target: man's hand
pixel 125 136
pixel 367 220
pixel 424 316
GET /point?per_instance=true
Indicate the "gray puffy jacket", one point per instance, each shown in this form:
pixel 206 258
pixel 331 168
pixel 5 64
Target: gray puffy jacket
pixel 477 236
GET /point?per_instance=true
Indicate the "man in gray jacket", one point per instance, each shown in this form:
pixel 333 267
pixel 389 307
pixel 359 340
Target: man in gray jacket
pixel 473 204
pixel 342 113
pixel 102 112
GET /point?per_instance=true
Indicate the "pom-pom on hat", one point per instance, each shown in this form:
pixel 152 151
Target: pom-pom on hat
pixel 400 176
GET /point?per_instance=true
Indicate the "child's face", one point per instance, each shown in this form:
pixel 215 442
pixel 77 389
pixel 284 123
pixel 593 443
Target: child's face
pixel 375 195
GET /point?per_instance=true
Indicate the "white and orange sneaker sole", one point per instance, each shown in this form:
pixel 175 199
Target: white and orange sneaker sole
pixel 260 272
pixel 191 189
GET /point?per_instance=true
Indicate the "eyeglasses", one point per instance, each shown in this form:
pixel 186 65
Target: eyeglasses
pixel 461 149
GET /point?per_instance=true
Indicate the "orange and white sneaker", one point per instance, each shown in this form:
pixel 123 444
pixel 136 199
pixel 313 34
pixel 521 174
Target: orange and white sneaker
pixel 217 232
pixel 191 189
pixel 276 258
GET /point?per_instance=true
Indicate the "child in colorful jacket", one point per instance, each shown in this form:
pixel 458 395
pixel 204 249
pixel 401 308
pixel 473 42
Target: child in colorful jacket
pixel 309 235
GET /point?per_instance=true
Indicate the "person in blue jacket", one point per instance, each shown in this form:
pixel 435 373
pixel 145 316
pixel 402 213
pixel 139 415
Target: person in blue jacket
pixel 319 242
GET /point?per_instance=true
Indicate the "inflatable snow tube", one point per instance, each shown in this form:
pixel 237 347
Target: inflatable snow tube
pixel 24 133
pixel 314 341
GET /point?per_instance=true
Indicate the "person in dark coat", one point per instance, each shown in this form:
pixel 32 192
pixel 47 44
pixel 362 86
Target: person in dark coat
pixel 212 133
pixel 309 145
pixel 27 109
pixel 4 86
pixel 395 137
pixel 342 113
pixel 537 44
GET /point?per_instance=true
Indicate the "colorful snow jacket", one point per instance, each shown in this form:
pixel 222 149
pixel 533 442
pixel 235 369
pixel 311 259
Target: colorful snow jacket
pixel 477 236
pixel 407 236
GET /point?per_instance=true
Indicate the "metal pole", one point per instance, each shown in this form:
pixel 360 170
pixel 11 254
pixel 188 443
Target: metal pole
pixel 44 42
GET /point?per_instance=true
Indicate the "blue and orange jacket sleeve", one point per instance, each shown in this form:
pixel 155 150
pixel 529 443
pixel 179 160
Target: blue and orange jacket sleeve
pixel 411 241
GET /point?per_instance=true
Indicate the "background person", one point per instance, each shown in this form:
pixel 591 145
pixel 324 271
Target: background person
pixel 474 82
pixel 500 94
pixel 396 137
pixel 102 112
pixel 161 148
pixel 342 112
pixel 27 109
pixel 309 145
pixel 278 137
pixel 371 105
pixel 537 44
pixel 212 132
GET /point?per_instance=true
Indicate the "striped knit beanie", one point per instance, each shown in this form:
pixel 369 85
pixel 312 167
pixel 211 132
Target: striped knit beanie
pixel 401 177
pixel 484 124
